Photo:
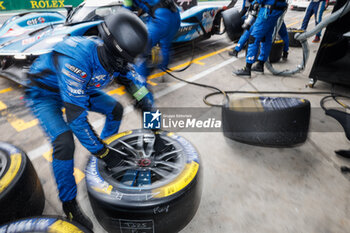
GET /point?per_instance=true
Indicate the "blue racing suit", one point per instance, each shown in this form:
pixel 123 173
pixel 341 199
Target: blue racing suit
pixel 311 10
pixel 284 35
pixel 263 27
pixel 162 25
pixel 72 77
pixel 245 36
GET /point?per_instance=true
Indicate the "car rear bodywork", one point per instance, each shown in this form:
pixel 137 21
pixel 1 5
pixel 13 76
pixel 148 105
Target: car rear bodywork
pixel 25 36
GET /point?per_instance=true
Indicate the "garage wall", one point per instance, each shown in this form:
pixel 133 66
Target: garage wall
pixel 6 5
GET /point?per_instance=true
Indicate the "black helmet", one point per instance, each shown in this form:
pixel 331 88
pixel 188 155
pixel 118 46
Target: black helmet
pixel 124 34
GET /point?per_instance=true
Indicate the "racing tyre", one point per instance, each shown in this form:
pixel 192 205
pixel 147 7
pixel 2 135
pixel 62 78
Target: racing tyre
pixel 291 33
pixel 233 23
pixel 21 193
pixel 267 121
pixel 150 194
pixel 276 51
pixel 43 224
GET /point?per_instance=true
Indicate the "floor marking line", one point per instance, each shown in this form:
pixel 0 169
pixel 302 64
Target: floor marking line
pixel 35 153
pixel 193 78
pixel 6 90
pixel 3 106
pixel 156 75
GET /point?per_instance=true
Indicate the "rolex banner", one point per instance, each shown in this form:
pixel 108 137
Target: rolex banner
pixel 7 5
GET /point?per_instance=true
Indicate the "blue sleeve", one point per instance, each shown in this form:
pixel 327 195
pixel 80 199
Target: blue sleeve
pixel 73 79
pixel 136 86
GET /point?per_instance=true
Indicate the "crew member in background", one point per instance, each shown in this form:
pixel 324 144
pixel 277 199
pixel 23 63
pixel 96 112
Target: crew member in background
pixel 262 31
pixel 72 77
pixel 263 56
pixel 312 9
pixel 163 22
pixel 322 7
pixel 245 36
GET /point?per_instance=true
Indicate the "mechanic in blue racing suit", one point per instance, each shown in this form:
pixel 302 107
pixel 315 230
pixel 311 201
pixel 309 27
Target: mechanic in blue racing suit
pixel 72 76
pixel 163 22
pixel 262 31
pixel 245 36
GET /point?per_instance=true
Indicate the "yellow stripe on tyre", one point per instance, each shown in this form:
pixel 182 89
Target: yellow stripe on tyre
pixel 115 137
pixel 63 227
pixel 16 160
pixel 187 175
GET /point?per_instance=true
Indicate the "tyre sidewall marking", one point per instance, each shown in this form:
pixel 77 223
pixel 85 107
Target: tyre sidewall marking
pixel 33 224
pixel 16 160
pixel 95 180
pixel 188 174
pixel 127 225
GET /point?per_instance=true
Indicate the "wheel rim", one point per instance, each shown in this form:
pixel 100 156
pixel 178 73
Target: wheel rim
pixel 141 167
pixel 3 163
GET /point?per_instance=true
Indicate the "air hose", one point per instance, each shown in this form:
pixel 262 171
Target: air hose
pixel 302 37
pixel 341 116
pixel 226 100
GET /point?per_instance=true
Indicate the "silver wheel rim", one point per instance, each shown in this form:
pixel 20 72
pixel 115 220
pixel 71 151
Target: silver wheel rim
pixel 142 166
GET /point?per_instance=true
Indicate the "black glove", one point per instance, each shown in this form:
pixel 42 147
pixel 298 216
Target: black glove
pixel 111 157
pixel 159 144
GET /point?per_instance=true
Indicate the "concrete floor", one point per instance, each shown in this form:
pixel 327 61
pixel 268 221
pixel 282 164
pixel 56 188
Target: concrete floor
pixel 246 188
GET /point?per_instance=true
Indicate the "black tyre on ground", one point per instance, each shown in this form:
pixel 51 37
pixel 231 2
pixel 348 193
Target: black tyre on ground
pixel 150 194
pixel 267 121
pixel 292 41
pixel 233 23
pixel 276 51
pixel 43 224
pixel 21 193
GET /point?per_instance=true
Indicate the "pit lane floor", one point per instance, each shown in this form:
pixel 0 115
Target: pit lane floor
pixel 246 188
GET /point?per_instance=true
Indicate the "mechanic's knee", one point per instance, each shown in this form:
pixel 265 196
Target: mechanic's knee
pixel 118 112
pixel 63 146
pixel 251 39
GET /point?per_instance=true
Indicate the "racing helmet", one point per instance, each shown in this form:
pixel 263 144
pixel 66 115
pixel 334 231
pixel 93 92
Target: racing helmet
pixel 124 34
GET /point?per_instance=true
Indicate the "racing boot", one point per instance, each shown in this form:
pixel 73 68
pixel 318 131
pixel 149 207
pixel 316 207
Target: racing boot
pixel 233 53
pixel 245 71
pixel 259 67
pixel 73 212
pixel 285 56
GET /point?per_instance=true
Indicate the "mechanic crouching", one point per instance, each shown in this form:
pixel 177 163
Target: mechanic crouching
pixel 262 31
pixel 72 76
pixel 163 22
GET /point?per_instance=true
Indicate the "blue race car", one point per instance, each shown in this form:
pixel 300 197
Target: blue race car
pixel 25 36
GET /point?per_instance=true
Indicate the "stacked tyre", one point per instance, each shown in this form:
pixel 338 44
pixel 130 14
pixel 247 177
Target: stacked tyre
pixel 291 34
pixel 267 121
pixel 276 51
pixel 21 194
pixel 148 193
